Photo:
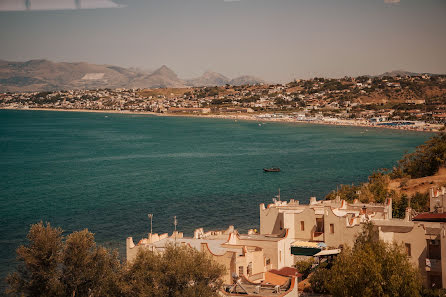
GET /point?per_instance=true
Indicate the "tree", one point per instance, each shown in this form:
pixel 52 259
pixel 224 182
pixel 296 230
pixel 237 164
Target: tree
pixel 304 266
pixel 370 268
pixel 51 267
pixel 426 160
pixel 178 271
pixel 87 269
pixel 38 273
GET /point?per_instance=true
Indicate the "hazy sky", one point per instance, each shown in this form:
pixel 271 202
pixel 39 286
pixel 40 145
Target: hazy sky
pixel 277 40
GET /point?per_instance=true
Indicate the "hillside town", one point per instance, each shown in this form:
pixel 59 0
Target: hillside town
pixel 415 102
pixel 262 262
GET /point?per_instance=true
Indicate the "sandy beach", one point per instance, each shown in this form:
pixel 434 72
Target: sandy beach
pixel 247 117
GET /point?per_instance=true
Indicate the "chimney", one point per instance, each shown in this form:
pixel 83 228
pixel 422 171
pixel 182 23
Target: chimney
pixel 408 215
pixel 313 200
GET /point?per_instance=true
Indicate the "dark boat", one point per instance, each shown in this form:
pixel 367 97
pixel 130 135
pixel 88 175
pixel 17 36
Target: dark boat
pixel 271 169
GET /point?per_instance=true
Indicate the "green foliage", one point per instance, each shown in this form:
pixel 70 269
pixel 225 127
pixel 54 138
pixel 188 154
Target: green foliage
pixel 370 268
pixel 425 161
pixel 38 273
pixel 375 190
pixel 304 267
pixel 378 183
pixel 179 271
pixel 345 192
pixel 399 207
pixel 88 269
pixel 433 292
pixel 318 280
pixel 50 266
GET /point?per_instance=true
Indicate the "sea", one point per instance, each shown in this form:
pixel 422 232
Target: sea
pixel 106 172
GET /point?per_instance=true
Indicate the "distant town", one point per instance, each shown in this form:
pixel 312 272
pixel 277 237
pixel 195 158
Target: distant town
pixel 415 102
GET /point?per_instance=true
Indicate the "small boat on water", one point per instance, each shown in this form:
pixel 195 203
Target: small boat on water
pixel 274 169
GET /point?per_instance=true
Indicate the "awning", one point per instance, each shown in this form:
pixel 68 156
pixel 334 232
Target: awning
pixel 328 253
pixel 306 248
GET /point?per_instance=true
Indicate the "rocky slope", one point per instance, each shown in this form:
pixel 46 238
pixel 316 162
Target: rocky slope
pixel 44 75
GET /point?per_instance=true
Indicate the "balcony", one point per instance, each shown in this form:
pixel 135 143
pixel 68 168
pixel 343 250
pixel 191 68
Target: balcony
pixel 318 236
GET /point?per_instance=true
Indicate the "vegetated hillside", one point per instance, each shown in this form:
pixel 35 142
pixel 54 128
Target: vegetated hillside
pixel 412 178
pixel 399 73
pixel 44 75
pixel 410 186
pixel 404 92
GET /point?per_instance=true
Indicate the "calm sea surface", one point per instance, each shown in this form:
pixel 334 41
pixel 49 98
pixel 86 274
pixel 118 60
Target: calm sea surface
pixel 106 172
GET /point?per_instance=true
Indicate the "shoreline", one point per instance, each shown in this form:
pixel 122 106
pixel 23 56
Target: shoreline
pixel 242 117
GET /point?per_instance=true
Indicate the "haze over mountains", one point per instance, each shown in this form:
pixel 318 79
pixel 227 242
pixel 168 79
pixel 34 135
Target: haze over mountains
pixel 44 75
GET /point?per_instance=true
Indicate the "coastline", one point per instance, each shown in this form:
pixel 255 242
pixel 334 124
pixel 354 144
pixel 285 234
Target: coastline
pixel 241 117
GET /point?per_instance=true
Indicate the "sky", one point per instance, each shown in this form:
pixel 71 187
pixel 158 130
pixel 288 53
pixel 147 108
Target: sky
pixel 276 40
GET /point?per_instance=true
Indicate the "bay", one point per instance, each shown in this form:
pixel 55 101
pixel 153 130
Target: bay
pixel 106 172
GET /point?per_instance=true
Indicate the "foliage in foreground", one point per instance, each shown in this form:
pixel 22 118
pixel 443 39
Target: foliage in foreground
pixel 370 268
pixel 179 271
pixel 52 265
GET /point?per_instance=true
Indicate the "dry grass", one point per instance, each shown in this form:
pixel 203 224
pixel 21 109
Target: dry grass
pixel 421 185
pixel 168 92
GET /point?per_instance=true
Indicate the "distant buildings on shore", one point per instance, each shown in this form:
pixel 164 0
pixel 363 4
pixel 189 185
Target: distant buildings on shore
pixel 417 102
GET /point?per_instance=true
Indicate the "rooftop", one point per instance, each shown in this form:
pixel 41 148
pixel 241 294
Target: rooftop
pixel 431 217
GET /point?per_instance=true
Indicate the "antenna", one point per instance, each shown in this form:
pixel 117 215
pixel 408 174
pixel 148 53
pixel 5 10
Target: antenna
pixel 150 215
pixel 279 194
pixel 175 222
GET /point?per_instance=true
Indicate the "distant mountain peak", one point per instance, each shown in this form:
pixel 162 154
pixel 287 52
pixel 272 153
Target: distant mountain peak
pixel 165 71
pixel 45 75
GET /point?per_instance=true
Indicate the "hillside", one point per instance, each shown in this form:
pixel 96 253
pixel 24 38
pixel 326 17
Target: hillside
pixel 421 185
pixel 245 80
pixel 44 75
pixel 209 79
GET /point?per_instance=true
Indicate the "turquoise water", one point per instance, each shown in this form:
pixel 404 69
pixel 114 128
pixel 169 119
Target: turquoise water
pixel 105 172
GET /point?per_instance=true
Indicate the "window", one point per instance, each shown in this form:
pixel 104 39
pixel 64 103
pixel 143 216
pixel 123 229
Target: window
pixel 433 249
pixel 320 225
pixel 408 249
pixel 268 261
pixel 302 226
pixel 240 270
pixel 281 224
pixel 331 228
pixel 249 269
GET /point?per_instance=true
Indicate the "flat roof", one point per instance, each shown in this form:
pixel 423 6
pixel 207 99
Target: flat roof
pixel 215 245
pixel 328 253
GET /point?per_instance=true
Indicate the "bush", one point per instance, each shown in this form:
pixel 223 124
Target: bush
pixel 370 268
pixel 319 280
pixel 53 266
pixel 425 161
pixel 304 267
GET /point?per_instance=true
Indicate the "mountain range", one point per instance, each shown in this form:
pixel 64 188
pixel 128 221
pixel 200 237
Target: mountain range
pixel 44 75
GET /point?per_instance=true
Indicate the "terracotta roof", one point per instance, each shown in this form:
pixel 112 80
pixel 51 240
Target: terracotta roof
pixel 431 217
pixel 274 279
pixel 286 271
